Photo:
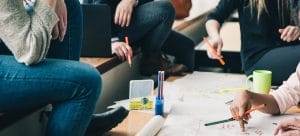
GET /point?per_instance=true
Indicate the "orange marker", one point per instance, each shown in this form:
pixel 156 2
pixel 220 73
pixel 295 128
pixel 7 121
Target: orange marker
pixel 128 54
pixel 214 51
pixel 253 109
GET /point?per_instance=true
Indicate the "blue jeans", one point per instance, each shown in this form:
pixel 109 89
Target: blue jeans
pixel 151 27
pixel 70 86
pixel 281 61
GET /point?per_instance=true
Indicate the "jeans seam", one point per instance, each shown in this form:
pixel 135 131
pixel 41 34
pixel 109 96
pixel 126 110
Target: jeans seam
pixel 46 79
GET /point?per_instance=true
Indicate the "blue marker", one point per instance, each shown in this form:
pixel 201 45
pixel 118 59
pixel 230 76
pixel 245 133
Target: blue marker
pixel 159 103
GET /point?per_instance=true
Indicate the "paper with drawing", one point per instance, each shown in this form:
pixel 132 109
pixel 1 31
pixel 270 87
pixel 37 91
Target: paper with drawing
pixel 188 119
pixel 195 101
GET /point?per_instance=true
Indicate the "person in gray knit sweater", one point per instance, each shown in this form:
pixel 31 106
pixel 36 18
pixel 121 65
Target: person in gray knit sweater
pixel 37 66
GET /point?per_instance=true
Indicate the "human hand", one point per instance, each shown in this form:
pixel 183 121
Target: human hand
pixel 124 12
pixel 239 106
pixel 122 50
pixel 217 44
pixel 289 33
pixel 60 28
pixel 289 127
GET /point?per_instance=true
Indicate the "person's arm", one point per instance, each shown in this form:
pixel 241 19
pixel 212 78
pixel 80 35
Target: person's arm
pixel 223 10
pixel 277 102
pixel 27 36
pixel 288 94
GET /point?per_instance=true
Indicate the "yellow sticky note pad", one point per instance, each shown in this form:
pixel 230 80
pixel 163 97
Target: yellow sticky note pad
pixel 137 105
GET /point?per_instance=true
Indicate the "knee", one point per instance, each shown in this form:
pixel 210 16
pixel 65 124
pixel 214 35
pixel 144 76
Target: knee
pixel 88 78
pixel 166 9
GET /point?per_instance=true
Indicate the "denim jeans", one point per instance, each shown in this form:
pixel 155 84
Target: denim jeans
pixel 70 86
pixel 151 28
pixel 281 61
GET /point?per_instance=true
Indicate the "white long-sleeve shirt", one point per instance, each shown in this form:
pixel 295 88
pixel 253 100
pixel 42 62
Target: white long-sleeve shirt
pixel 288 94
pixel 26 36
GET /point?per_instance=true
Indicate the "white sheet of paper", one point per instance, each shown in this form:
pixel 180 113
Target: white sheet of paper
pixel 196 100
pixel 203 85
pixel 188 119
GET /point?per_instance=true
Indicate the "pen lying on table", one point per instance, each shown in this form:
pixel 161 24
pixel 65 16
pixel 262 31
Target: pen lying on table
pixel 233 118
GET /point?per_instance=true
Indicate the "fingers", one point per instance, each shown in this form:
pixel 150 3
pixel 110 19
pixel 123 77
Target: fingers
pixel 55 32
pixel 277 130
pixel 125 20
pixel 289 34
pixel 64 24
pixel 122 50
pixel 128 19
pixel 62 30
pixel 283 125
pixel 219 49
pixel 241 111
pixel 241 114
pixel 242 124
pixel 280 30
pixel 117 15
pixel 121 17
pixel 61 11
pixel 120 54
pixel 210 54
pixel 284 33
pixel 290 133
pixel 214 47
pixel 123 14
pixel 296 35
pixel 235 111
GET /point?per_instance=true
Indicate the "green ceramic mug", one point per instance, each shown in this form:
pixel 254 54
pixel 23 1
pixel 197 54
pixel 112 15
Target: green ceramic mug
pixel 261 82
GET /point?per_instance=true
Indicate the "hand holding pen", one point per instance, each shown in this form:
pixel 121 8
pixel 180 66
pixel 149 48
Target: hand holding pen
pixel 129 54
pixel 238 117
pixel 122 50
pixel 214 48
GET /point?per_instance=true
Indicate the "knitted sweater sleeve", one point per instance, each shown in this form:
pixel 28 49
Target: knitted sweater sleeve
pixel 26 36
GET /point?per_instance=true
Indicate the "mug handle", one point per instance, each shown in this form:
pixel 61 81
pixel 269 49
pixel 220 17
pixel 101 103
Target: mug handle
pixel 248 83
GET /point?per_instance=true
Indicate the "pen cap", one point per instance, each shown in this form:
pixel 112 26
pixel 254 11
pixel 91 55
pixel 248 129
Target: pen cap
pixel 159 107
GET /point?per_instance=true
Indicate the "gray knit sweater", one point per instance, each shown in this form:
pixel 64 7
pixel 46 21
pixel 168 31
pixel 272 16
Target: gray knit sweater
pixel 27 37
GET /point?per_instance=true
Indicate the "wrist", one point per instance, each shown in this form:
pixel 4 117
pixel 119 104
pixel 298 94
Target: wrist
pixel 132 2
pixel 115 39
pixel 250 97
pixel 215 36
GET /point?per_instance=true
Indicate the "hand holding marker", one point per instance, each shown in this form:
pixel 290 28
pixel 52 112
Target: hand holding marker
pixel 128 53
pixel 214 51
pixel 235 117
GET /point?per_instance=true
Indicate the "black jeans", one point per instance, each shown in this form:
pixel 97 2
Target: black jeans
pixel 281 61
pixel 151 28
